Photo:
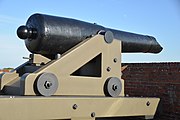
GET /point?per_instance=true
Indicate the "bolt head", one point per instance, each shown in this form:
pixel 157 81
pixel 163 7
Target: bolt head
pixel 75 106
pixel 108 69
pixel 93 114
pixel 115 60
pixel 148 103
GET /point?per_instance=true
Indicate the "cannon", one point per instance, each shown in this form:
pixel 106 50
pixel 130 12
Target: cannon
pixel 73 72
pixel 50 35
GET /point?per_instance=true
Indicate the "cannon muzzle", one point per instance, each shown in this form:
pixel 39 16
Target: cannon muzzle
pixel 50 35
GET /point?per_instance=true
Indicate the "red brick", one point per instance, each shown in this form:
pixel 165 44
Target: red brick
pixel 156 80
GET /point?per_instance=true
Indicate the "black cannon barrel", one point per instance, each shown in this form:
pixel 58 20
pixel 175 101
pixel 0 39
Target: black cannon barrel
pixel 49 35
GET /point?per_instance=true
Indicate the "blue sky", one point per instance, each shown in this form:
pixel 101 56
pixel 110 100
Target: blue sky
pixel 159 18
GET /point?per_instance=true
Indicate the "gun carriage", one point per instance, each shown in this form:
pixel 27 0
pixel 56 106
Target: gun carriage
pixel 74 72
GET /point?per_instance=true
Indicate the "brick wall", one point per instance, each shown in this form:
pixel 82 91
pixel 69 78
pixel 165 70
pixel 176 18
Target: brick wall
pixel 156 80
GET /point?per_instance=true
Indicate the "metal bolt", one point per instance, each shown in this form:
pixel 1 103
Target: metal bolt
pixel 148 103
pixel 93 114
pixel 127 95
pixel 115 60
pixel 28 58
pixel 108 69
pixel 114 87
pixel 74 106
pixel 47 84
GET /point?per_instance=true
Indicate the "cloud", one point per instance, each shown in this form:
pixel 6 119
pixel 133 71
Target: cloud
pixel 10 19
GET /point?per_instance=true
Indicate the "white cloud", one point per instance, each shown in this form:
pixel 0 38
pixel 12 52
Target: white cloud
pixel 10 19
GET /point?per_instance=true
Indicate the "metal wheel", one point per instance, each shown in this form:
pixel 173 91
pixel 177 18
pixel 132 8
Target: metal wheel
pixel 46 84
pixel 112 87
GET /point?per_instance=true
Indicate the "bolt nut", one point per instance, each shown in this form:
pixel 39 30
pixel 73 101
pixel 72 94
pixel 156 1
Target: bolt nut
pixel 47 84
pixel 114 87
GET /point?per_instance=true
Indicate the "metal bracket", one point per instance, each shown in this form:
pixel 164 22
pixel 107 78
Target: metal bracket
pixel 71 61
